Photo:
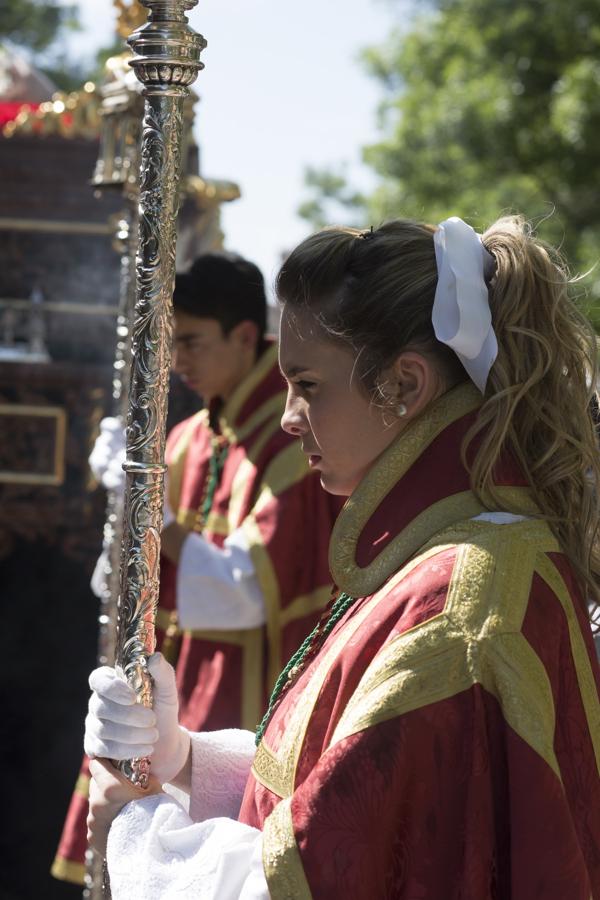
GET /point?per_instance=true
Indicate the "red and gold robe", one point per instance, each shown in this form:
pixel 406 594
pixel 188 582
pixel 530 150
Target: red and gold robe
pixel 445 741
pixel 265 488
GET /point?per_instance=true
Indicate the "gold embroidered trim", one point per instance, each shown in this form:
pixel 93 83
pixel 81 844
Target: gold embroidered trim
pixel 82 786
pixel 271 409
pixel 215 523
pixel 251 642
pixel 246 471
pixel 236 638
pixel 476 639
pixel 281 778
pixel 391 466
pixel 306 604
pixel 165 618
pixel 286 469
pixel 66 870
pixel 284 872
pixel 277 770
pixel 433 520
pixel 585 677
pixel 177 456
pixel 269 585
pixel 272 426
pixel 243 391
pixel 267 769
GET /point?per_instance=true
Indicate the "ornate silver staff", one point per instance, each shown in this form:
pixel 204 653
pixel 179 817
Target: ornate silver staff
pixel 117 169
pixel 166 61
pixel 94 881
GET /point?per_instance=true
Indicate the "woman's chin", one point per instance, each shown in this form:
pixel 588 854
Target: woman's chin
pixel 335 485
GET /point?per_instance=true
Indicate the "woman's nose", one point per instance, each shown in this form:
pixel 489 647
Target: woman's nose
pixel 293 421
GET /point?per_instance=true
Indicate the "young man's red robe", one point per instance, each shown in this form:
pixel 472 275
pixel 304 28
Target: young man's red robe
pixel 267 491
pixel 445 741
pixel 265 488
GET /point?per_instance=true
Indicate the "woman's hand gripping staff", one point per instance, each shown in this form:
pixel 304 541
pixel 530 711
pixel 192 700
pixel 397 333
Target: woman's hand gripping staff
pixel 117 727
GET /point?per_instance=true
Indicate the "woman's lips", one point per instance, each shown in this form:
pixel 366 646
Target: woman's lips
pixel 313 460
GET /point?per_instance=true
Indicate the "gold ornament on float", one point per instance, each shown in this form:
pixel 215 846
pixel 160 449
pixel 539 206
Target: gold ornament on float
pixel 129 16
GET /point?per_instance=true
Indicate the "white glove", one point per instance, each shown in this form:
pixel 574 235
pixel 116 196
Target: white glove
pixel 168 514
pixel 108 454
pixel 117 727
pixel 98 579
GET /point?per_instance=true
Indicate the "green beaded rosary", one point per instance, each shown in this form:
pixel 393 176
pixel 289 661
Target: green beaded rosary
pixel 215 468
pixel 300 657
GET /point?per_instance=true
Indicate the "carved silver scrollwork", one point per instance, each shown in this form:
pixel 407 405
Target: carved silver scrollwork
pixel 126 241
pixel 166 61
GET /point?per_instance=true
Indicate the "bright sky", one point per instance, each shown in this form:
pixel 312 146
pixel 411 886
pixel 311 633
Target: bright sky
pixel 282 89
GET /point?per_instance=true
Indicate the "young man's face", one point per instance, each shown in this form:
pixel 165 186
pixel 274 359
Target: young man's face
pixel 209 361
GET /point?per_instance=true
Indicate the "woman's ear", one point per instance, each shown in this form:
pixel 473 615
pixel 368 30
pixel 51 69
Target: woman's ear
pixel 417 381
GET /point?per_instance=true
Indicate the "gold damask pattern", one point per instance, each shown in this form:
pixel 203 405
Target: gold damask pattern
pixel 281 859
pixel 276 770
pixel 268 769
pixel 476 640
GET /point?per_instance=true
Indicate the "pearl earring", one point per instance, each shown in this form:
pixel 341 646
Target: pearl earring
pixel 401 410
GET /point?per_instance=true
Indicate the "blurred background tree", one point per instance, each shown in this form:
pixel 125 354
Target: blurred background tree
pixel 39 28
pixel 487 108
pixel 35 25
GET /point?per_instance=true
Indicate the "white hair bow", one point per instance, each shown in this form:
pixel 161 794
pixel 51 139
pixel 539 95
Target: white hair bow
pixel 461 314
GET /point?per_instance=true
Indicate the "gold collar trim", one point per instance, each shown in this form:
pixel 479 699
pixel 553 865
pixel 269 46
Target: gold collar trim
pixel 231 409
pixel 391 466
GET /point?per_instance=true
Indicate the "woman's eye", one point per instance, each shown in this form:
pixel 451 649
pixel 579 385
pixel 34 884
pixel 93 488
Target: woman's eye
pixel 305 385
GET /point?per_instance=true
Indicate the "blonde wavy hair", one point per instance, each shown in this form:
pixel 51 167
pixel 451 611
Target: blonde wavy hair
pixel 374 291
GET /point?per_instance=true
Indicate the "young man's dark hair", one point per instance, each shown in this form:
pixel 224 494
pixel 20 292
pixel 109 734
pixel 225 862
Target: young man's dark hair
pixel 225 287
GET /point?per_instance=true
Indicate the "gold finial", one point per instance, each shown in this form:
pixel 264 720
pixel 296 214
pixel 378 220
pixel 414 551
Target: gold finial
pixel 130 16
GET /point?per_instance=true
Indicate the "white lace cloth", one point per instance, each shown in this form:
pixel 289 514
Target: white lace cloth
pixel 156 851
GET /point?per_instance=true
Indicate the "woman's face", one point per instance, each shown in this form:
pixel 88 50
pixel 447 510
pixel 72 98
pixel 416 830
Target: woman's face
pixel 327 408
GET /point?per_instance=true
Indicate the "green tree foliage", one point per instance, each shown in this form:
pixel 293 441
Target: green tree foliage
pixel 490 108
pixel 38 27
pixel 328 191
pixel 33 24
